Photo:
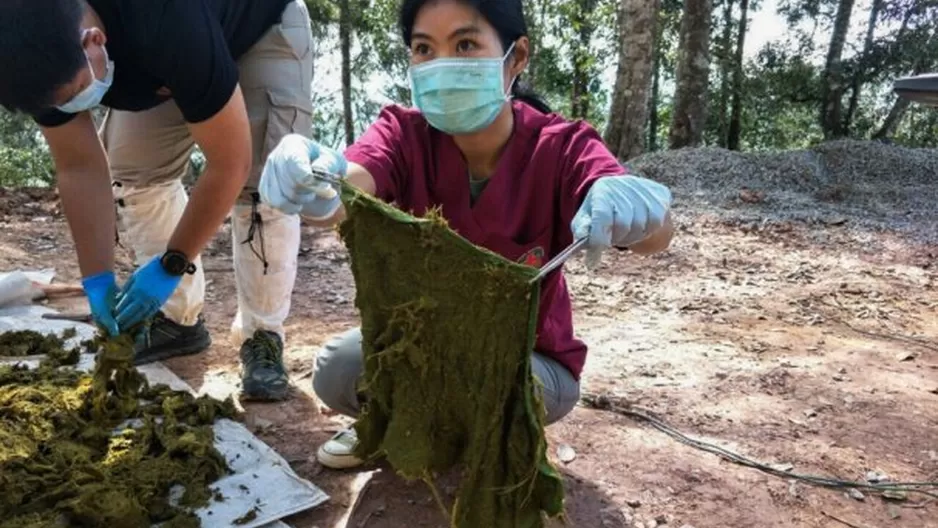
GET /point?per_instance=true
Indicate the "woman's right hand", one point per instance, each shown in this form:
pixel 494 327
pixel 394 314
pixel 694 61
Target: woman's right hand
pixel 287 181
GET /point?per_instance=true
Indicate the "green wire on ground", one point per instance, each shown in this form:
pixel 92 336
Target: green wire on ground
pixel 890 490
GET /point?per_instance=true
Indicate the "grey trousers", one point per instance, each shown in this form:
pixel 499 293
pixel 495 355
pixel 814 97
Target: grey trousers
pixel 340 363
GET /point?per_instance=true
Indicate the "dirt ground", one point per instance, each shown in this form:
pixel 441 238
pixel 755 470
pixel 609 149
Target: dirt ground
pixel 809 344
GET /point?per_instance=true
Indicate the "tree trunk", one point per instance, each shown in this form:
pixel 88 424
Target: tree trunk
pixel 862 65
pixel 832 82
pixel 625 134
pixel 658 45
pixel 726 65
pixel 689 115
pixel 345 41
pixel 892 120
pixel 583 22
pixel 538 22
pixel 736 114
pixel 899 107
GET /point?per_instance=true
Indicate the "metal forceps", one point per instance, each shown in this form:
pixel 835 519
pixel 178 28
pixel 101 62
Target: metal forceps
pixel 561 257
pixel 334 181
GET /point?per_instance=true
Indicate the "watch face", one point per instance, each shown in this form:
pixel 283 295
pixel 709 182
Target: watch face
pixel 174 263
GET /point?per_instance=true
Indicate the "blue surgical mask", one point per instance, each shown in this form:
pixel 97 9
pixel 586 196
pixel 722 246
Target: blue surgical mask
pixel 91 96
pixel 460 95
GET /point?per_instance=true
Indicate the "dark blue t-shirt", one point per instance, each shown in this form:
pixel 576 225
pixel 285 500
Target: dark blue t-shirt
pixel 180 49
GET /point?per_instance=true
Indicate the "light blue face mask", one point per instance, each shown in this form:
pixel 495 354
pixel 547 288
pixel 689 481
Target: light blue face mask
pixel 460 95
pixel 91 96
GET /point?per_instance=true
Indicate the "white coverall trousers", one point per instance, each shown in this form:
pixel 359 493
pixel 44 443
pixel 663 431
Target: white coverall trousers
pixel 148 153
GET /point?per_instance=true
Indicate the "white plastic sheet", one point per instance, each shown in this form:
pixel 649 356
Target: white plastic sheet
pixel 18 288
pixel 271 484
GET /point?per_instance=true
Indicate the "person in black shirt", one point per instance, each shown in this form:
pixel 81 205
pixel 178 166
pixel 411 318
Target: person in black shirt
pixel 231 76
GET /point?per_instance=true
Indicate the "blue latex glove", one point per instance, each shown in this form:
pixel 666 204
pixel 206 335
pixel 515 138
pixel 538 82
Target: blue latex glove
pixel 145 293
pixel 287 182
pixel 620 211
pixel 101 290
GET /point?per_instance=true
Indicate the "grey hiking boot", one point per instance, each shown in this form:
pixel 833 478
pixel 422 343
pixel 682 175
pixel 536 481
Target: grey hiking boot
pixel 263 376
pixel 163 338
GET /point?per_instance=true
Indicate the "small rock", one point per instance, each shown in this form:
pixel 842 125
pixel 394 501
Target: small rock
pixel 905 356
pixel 894 513
pixel 810 413
pixel 896 495
pixel 751 195
pixel 565 453
pixel 838 377
pixel 855 494
pixel 661 519
pixel 786 467
pixel 875 476
pixel 633 503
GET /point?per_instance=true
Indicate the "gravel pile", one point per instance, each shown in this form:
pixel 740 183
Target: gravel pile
pixel 875 185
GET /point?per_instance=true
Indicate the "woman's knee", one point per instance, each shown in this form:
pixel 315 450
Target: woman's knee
pixel 560 390
pixel 336 370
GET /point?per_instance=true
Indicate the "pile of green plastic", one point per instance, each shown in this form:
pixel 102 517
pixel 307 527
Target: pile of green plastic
pixel 69 455
pixel 448 333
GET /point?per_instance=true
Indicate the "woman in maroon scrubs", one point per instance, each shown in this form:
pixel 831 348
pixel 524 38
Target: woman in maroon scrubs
pixel 508 174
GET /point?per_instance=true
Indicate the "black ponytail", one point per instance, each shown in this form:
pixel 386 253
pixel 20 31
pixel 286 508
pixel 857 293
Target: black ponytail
pixel 507 17
pixel 522 91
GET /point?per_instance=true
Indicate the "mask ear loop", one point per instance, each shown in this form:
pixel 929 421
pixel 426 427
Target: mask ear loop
pixel 509 95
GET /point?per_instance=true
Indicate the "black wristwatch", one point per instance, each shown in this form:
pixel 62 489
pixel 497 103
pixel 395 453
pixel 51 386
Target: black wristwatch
pixel 176 263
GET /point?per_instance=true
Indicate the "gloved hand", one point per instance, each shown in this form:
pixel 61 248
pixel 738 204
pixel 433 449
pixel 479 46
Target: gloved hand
pixel 101 290
pixel 287 181
pixel 620 211
pixel 145 293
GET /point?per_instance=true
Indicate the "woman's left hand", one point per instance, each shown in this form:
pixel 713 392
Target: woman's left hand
pixel 620 211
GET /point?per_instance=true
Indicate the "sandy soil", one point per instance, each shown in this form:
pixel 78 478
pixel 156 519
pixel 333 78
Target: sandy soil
pixel 811 345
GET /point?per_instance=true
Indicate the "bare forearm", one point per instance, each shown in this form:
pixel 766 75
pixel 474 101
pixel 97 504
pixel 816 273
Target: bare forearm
pixel 209 204
pixel 88 204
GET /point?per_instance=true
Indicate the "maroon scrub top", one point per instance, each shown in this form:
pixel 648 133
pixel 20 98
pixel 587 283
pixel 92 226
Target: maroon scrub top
pixel 525 210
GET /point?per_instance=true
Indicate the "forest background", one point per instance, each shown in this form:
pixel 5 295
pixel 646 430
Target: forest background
pixel 651 75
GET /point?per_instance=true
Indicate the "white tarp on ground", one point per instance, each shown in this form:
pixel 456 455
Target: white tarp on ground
pixel 261 478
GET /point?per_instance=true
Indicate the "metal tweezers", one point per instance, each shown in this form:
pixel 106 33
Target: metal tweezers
pixel 78 318
pixel 561 257
pixel 328 177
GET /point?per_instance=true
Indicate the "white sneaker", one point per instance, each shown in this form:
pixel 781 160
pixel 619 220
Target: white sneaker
pixel 337 453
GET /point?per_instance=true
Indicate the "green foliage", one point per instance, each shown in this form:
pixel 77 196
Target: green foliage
pixel 781 91
pixel 920 128
pixel 379 34
pixel 23 167
pixel 322 13
pixel 24 159
pixel 575 45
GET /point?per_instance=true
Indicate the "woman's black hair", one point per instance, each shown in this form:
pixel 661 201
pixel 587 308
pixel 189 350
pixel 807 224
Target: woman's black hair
pixel 506 16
